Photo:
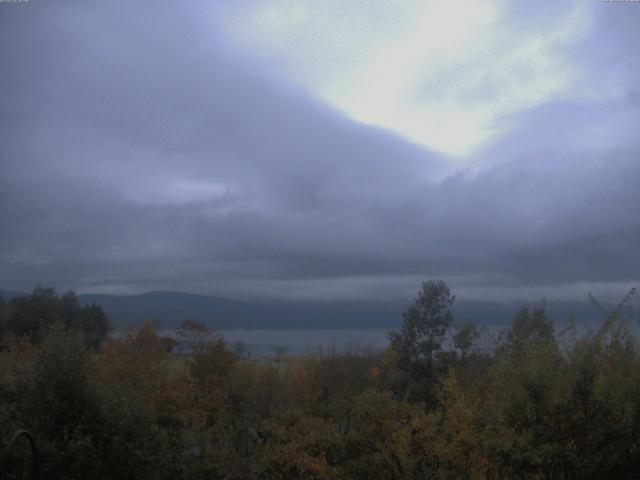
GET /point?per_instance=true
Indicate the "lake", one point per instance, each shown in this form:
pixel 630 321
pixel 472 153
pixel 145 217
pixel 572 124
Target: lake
pixel 361 340
pixel 298 342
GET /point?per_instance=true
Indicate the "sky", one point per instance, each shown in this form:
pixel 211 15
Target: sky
pixel 269 150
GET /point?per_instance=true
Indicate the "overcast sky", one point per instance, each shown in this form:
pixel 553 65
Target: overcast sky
pixel 329 150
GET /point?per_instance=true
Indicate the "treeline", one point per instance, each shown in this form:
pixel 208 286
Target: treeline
pixel 32 316
pixel 541 404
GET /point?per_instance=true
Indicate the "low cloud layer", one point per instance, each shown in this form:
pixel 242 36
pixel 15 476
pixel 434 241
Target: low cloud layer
pixel 144 148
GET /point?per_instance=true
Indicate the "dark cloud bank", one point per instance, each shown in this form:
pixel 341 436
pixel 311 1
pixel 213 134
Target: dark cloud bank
pixel 140 151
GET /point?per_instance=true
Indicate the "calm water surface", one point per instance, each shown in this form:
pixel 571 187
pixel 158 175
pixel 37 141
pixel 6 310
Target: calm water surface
pixel 363 340
pixel 298 342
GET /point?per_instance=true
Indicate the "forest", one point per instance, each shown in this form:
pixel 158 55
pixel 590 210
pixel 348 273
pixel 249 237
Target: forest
pixel 540 403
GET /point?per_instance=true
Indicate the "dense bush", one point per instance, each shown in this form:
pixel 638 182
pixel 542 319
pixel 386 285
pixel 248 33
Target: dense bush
pixel 541 405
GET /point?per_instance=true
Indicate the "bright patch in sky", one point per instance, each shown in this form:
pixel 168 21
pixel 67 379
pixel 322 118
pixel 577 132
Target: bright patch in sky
pixel 445 74
pixel 181 192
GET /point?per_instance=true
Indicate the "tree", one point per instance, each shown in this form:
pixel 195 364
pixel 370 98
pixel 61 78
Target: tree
pixel 193 334
pixel 528 327
pixel 89 319
pixel 465 338
pixel 419 341
pixel 60 406
pixel 280 351
pixel 210 365
pixel 241 349
pixel 33 315
pixel 4 314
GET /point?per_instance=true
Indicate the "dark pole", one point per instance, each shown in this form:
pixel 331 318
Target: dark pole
pixel 34 452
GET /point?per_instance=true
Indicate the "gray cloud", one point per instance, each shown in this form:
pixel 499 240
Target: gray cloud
pixel 141 150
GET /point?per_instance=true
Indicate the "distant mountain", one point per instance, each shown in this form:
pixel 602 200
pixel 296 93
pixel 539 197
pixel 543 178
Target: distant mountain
pixel 170 308
pixel 7 295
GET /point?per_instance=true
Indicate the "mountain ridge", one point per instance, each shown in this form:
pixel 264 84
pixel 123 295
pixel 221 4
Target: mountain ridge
pixel 169 308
